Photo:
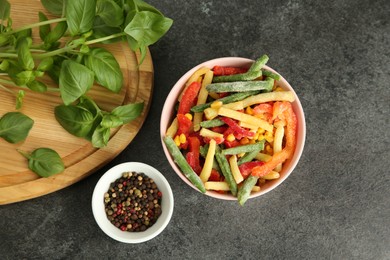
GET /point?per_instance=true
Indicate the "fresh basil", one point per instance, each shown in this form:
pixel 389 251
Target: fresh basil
pixel 100 137
pixel 15 126
pixel 44 30
pixel 37 86
pixel 74 81
pixel 24 55
pixel 80 15
pixel 44 161
pixel 5 8
pixel 129 112
pixel 101 29
pixel 56 34
pixel 19 99
pixel 46 64
pixel 106 68
pixel 53 6
pixel 110 12
pixel 147 27
pixel 76 120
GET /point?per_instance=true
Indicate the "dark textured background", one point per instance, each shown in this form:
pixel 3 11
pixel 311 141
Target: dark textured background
pixel 335 205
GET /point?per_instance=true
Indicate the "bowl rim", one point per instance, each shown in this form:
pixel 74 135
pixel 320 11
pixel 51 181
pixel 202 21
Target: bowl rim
pixel 233 61
pixel 102 186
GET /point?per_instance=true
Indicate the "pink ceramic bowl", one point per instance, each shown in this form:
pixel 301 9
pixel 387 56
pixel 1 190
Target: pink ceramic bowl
pixel 168 114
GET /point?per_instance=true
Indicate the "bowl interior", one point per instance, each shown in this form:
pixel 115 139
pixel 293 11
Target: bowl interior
pixel 98 203
pixel 168 114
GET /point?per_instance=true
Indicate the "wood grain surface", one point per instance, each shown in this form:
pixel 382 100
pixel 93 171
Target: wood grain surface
pixel 17 182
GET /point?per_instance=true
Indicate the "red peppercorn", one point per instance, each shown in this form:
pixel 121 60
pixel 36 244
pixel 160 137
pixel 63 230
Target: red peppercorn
pixel 159 194
pixel 123 228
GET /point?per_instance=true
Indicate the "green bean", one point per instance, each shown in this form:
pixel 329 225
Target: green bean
pixel 250 75
pixel 246 189
pixel 225 100
pixel 271 74
pixel 240 86
pixel 244 148
pixel 249 156
pixel 227 173
pixel 212 123
pixel 259 63
pixel 183 165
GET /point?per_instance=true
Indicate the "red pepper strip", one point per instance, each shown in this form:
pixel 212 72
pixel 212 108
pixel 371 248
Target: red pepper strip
pixel 215 176
pixel 241 132
pixel 291 130
pixel 189 97
pixel 184 128
pixel 246 168
pixel 193 154
pixel 221 70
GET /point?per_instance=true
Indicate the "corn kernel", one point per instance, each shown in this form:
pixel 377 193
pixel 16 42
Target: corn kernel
pixel 269 139
pixel 240 154
pixel 256 136
pixel 189 116
pixel 260 138
pixel 230 138
pixel 216 104
pixel 244 140
pixel 261 130
pixel 177 140
pixel 249 111
pixel 278 89
pixel 182 138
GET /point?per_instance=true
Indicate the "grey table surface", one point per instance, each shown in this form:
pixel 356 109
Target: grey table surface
pixel 335 205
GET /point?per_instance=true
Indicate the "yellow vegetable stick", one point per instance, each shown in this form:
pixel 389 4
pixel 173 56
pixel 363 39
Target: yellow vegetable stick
pixel 202 97
pixel 272 175
pixel 194 77
pixel 245 118
pixel 235 170
pixel 246 125
pixel 208 133
pixel 263 157
pixel 208 164
pixel 172 129
pixel 216 185
pixel 256 188
pixel 278 142
pixel 210 113
pixel 235 105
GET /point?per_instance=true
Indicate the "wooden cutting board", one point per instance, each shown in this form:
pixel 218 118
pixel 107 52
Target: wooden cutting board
pixel 17 182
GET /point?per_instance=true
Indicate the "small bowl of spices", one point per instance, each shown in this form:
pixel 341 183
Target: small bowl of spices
pixel 132 202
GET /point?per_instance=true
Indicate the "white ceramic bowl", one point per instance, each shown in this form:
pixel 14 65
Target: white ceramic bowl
pixel 168 113
pixel 102 187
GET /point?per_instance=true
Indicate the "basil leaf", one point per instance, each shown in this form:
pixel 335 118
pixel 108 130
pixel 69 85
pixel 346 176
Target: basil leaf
pixel 76 120
pixel 37 86
pixel 106 69
pixel 4 64
pixel 91 106
pixel 75 80
pixel 109 12
pixel 111 121
pixel 53 6
pixel 100 137
pixel 129 112
pixel 24 77
pixel 56 34
pixel 25 58
pixel 15 126
pixel 19 99
pixel 101 29
pixel 80 15
pixel 5 8
pixel 140 5
pixel 44 161
pixel 148 27
pixel 43 29
pixel 46 64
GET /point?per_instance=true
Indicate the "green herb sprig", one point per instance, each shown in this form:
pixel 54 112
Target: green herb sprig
pixel 66 53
